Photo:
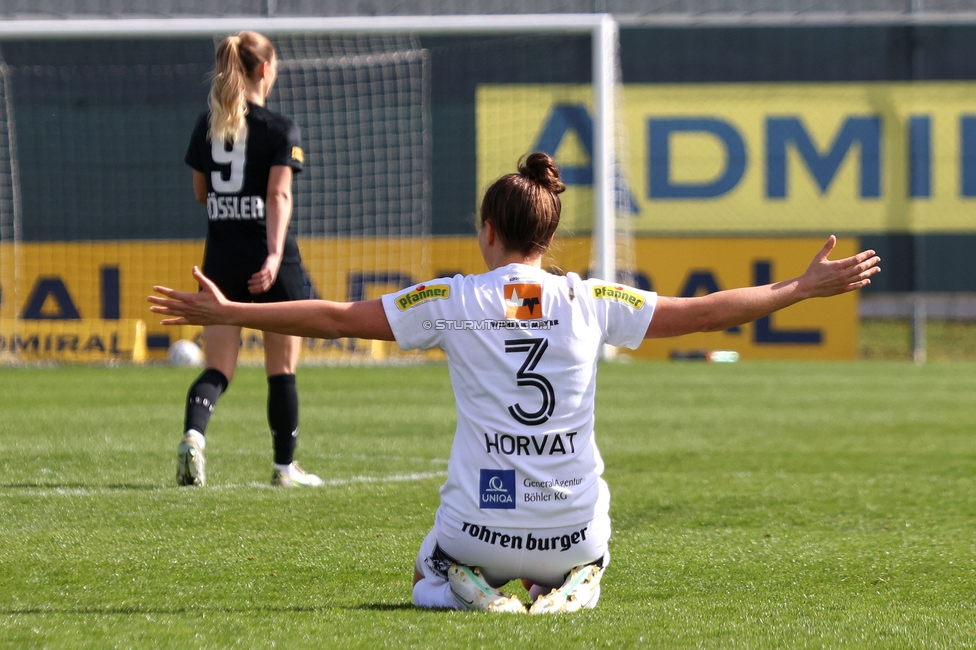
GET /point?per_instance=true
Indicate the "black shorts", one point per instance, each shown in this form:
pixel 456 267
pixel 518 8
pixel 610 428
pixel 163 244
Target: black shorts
pixel 232 279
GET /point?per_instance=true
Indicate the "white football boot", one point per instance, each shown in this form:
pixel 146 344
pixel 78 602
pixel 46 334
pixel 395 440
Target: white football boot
pixel 580 590
pixel 295 476
pixel 471 590
pixel 191 466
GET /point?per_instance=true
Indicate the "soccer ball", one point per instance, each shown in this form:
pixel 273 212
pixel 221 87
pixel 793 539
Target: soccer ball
pixel 186 354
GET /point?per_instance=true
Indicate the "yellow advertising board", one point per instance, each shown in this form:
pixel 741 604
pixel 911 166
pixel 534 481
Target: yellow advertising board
pixel 77 340
pixel 83 301
pixel 814 329
pixel 776 158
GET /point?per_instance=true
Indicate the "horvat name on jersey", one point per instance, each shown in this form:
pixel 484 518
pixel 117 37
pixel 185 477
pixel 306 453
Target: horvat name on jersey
pixel 237 208
pixel 422 294
pixel 550 444
pixel 618 294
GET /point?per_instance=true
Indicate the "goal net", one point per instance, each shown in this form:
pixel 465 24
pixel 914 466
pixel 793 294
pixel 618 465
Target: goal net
pixel 362 205
pixel 404 123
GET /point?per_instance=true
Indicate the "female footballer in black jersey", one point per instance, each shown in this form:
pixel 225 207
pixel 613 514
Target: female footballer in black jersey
pixel 243 157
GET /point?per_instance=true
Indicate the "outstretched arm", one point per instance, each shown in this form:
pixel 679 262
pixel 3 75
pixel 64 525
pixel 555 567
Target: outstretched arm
pixel 723 309
pixel 312 318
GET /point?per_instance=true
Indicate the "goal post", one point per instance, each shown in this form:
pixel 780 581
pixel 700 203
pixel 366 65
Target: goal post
pixel 371 95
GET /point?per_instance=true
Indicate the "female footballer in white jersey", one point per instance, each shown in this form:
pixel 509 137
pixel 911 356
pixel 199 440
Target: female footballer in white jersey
pixel 524 497
pixel 243 157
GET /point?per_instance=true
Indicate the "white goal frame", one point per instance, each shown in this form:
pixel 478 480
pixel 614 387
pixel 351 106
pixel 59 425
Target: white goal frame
pixel 601 27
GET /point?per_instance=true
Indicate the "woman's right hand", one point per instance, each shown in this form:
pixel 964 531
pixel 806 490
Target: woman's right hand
pixel 264 279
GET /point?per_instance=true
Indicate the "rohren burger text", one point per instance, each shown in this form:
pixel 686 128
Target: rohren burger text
pixel 532 542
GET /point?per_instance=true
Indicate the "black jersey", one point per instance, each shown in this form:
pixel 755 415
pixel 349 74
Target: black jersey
pixel 237 184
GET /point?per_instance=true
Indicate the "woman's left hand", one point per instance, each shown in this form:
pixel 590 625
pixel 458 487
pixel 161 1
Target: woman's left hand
pixel 826 277
pixel 264 279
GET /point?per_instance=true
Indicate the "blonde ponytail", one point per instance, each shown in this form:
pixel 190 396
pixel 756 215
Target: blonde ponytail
pixel 238 58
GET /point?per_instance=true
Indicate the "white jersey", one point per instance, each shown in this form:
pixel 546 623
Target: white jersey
pixel 522 347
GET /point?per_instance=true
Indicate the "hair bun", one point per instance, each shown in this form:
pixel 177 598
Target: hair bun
pixel 539 168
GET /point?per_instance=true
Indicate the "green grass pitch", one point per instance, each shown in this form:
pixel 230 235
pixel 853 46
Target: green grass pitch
pixel 755 505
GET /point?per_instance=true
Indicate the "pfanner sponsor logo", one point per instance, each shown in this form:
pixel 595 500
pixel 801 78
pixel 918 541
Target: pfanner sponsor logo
pixel 421 294
pixel 497 489
pixel 619 294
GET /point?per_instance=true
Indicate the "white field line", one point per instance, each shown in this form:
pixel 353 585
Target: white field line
pixel 396 478
pixel 55 492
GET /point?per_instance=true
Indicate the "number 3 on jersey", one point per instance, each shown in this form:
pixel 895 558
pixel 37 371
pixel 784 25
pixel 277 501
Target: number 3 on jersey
pixel 535 349
pixel 234 158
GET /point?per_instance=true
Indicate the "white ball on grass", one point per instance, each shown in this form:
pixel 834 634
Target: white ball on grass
pixel 186 354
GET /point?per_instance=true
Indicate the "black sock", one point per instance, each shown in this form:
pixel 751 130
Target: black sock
pixel 202 398
pixel 283 417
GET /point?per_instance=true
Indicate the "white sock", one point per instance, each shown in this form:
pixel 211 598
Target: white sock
pixel 199 437
pixel 436 595
pixel 284 469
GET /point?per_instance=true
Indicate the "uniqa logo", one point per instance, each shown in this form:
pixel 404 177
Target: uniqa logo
pixel 497 488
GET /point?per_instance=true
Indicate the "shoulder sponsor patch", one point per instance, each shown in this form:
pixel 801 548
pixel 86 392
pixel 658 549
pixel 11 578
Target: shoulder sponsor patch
pixel 618 293
pixel 421 294
pixel 298 154
pixel 523 301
